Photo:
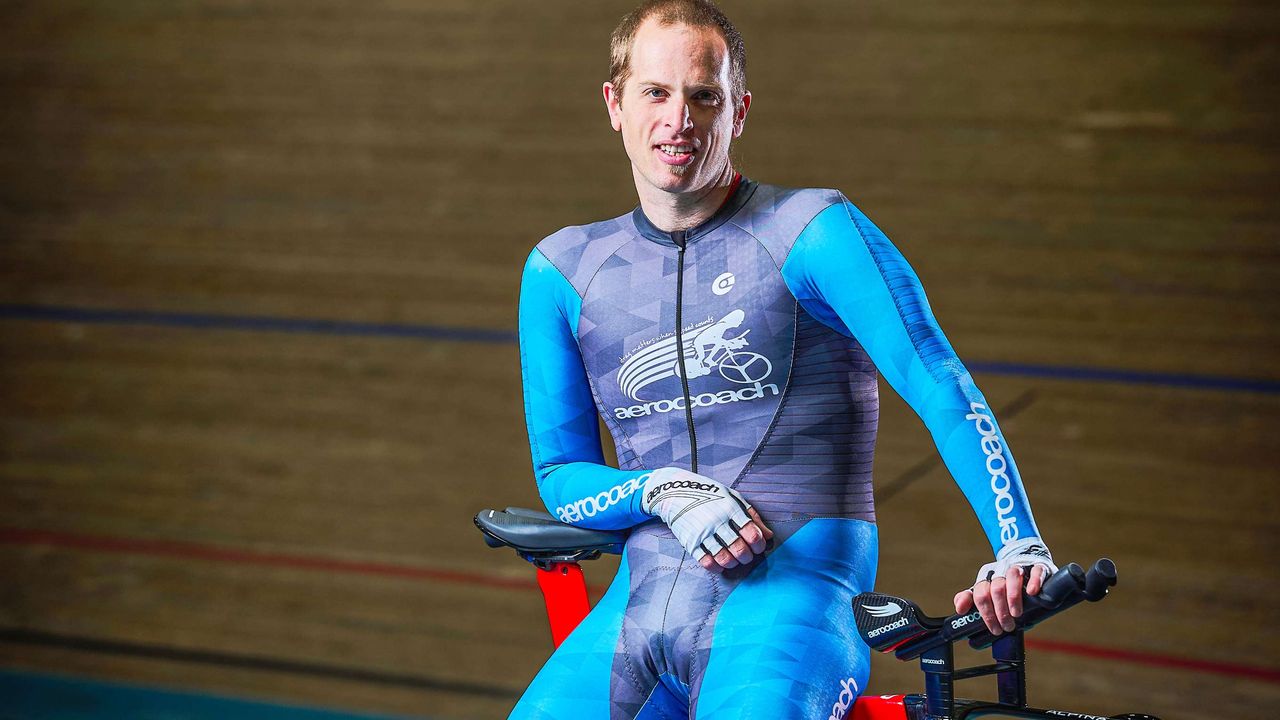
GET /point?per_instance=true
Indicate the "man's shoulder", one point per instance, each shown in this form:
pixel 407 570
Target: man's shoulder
pixel 571 235
pixel 796 199
pixel 577 250
pixel 778 215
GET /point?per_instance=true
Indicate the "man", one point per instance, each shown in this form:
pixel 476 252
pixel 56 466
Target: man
pixel 748 492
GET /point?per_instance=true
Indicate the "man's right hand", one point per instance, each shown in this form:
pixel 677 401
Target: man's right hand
pixel 997 591
pixel 710 519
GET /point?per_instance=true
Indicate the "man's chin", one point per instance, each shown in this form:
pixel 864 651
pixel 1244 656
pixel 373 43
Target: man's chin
pixel 674 178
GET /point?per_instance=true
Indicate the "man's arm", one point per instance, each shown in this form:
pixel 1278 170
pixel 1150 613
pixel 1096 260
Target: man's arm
pixel 848 275
pixel 564 434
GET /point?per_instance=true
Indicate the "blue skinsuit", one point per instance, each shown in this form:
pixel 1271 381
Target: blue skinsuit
pixel 746 350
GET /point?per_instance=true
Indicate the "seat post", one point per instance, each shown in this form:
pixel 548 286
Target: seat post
pixel 564 590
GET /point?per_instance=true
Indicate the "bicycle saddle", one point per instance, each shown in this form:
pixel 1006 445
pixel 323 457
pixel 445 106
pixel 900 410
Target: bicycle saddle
pixel 538 537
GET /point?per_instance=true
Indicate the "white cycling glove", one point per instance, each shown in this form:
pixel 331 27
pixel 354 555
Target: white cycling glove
pixel 1026 552
pixel 704 514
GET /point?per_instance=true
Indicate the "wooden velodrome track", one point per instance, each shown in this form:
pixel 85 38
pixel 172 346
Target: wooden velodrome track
pixel 258 275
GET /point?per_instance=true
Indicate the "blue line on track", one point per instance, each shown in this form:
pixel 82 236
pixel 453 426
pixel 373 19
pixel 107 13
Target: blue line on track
pixel 257 323
pixel 36 696
pixel 261 323
pixel 1132 377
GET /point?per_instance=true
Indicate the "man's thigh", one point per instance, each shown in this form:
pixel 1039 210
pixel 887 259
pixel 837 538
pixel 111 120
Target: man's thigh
pixel 784 644
pixel 786 668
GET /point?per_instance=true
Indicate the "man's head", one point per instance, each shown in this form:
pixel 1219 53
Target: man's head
pixel 695 13
pixel 677 92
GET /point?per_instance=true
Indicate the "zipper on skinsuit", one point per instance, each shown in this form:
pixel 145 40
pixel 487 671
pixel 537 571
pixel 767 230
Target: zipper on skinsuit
pixel 680 239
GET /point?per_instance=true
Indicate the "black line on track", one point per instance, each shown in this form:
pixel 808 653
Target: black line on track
pixel 252 662
pixel 922 468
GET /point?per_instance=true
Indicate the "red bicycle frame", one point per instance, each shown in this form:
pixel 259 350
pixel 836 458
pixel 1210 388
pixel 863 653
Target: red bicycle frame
pixel 564 590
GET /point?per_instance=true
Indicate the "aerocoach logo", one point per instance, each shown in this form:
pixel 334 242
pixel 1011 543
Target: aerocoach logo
pixel 888 609
pixel 998 468
pixel 844 701
pixel 590 506
pixel 708 347
pixel 899 623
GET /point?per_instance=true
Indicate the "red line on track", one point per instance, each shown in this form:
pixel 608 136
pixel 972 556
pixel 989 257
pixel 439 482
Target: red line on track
pixel 189 550
pixel 1138 657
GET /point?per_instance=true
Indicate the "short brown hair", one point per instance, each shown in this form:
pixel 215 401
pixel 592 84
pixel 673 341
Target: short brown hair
pixel 698 13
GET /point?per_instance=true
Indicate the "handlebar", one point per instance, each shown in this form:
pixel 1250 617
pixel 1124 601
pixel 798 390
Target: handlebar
pixel 889 623
pixel 1068 587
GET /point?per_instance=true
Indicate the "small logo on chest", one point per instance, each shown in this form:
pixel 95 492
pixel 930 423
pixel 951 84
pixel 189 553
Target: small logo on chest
pixel 723 283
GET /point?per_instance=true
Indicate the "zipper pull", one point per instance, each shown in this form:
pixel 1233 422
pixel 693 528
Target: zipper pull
pixel 678 237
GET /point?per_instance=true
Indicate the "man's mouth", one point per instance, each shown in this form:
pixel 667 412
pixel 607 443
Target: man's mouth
pixel 675 154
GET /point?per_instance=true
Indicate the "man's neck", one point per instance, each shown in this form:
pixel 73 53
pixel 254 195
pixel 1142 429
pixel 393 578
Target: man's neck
pixel 682 211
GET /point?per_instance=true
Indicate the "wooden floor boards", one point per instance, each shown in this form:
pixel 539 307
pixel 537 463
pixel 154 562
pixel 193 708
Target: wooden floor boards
pixel 284 513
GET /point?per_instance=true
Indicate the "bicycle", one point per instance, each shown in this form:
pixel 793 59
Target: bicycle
pixel 886 623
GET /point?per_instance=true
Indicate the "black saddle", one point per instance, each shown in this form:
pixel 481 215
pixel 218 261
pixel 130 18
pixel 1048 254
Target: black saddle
pixel 542 540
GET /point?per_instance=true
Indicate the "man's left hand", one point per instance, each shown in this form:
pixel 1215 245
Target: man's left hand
pixel 997 593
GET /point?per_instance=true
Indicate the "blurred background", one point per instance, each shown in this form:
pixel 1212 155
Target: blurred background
pixel 259 264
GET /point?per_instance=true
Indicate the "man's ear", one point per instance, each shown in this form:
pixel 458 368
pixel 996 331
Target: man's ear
pixel 613 102
pixel 740 114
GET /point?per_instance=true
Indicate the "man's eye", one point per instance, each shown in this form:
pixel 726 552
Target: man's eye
pixel 707 97
pixel 654 92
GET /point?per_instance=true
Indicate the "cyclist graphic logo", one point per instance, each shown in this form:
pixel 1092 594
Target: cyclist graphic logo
pixel 709 347
pixel 713 350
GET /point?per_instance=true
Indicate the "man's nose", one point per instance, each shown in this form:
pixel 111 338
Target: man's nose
pixel 679 118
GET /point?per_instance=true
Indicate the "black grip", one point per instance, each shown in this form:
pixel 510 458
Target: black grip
pixel 1061 585
pixel 1059 592
pixel 1099 578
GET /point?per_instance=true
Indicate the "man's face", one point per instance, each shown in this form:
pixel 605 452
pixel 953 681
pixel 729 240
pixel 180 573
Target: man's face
pixel 676 113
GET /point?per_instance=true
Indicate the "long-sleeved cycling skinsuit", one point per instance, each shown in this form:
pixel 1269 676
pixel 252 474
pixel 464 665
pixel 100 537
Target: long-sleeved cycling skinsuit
pixel 783 306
